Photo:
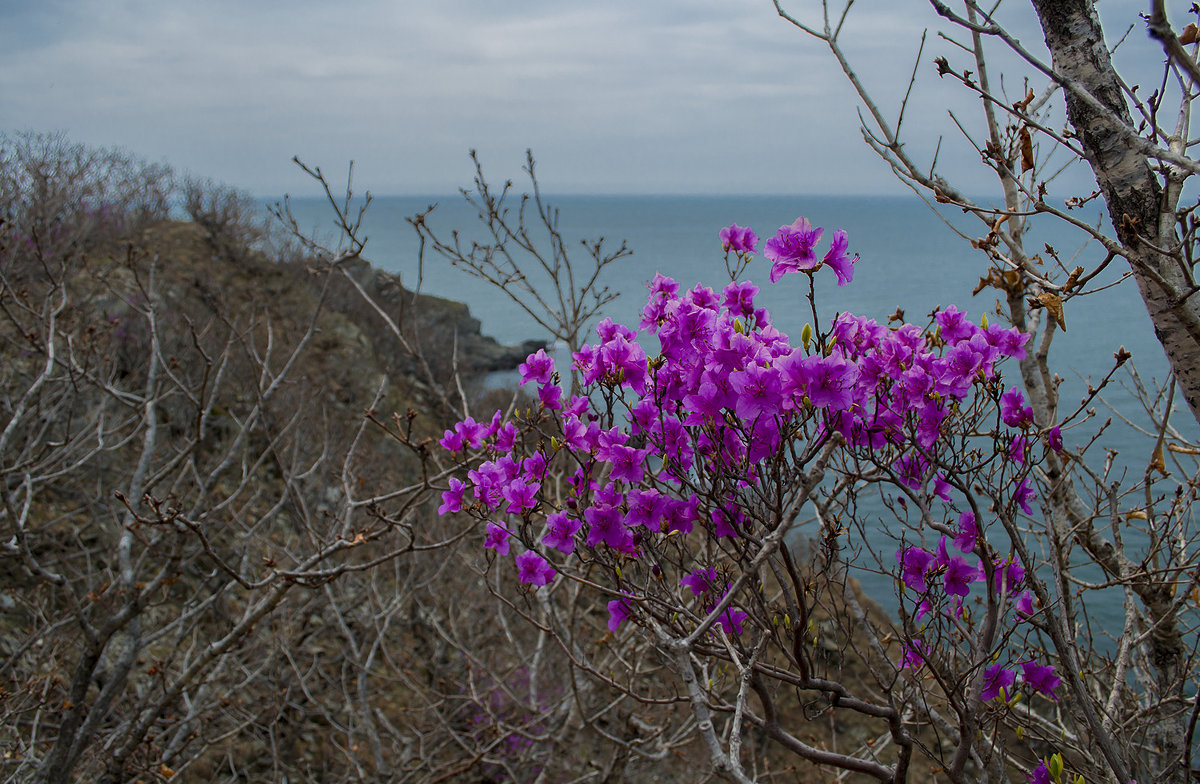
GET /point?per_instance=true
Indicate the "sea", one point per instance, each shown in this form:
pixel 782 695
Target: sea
pixel 913 257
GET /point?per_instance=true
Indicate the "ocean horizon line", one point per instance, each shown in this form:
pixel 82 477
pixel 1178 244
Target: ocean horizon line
pixel 550 195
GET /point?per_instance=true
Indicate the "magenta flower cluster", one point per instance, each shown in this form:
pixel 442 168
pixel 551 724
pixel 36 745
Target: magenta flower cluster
pixel 670 445
pixel 794 249
pixel 740 239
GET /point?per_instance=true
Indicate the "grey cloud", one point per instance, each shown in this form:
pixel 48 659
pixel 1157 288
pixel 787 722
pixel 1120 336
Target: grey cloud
pixel 618 95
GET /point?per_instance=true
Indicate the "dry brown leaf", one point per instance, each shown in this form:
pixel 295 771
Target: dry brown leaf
pixel 1189 35
pixel 1023 104
pixel 1026 149
pixel 1053 303
pixel 1157 463
pixel 1072 279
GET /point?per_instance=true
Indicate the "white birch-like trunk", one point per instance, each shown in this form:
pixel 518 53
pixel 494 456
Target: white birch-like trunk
pixel 1143 216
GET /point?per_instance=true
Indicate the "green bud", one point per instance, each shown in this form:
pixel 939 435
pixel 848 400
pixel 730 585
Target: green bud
pixel 806 335
pixel 1055 766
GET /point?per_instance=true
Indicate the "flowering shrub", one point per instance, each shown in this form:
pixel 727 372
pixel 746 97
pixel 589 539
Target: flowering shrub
pixel 669 482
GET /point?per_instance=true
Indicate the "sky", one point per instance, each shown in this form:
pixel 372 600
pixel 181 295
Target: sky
pixel 612 96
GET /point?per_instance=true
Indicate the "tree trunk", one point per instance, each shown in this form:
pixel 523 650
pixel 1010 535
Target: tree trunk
pixel 1143 215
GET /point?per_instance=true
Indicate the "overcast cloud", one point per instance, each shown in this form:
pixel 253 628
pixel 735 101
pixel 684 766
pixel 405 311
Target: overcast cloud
pixel 700 96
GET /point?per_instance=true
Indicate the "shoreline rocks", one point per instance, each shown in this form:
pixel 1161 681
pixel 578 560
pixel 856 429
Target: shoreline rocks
pixel 445 329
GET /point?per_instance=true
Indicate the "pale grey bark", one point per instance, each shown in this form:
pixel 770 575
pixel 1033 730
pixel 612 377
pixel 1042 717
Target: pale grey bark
pixel 1141 209
pixel 1143 215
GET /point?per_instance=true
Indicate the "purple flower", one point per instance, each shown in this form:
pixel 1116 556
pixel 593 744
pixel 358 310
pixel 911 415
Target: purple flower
pixel 560 532
pixel 1009 341
pixel 1013 410
pixel 506 437
pixel 488 479
pixel 1054 439
pixel 759 392
pixel 537 367
pixel 1017 449
pixel 911 470
pixel 576 406
pixel 1040 774
pixel 827 381
pixel 521 495
pixel 1023 495
pixel 941 488
pixel 624 359
pixel 644 415
pixel 497 539
pixel 551 396
pixel 471 432
pixel 968 532
pixel 618 611
pixel 841 264
pixel 913 658
pixel 959 576
pixel 731 620
pixel 663 292
pixel 955 372
pixel 792 249
pixel 996 679
pixel 575 433
pixel 452 499
pixel 699 580
pixel 606 440
pixel 533 569
pixel 606 525
pixel 764 439
pixel 954 325
pixel 1041 678
pixel 452 441
pixel 680 515
pixel 645 508
pixel 708 399
pixel 586 361
pixel 915 564
pixel 739 298
pixel 534 467
pixel 1025 604
pixel 1009 574
pixel 607 330
pixel 739 238
pixel 494 425
pixel 725 522
pixel 626 463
